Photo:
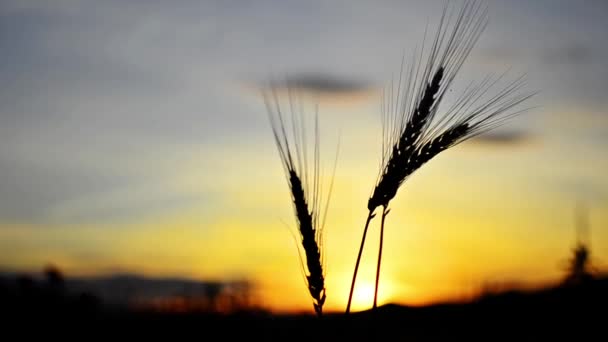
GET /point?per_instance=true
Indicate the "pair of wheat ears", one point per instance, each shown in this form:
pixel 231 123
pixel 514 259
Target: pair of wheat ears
pixel 412 134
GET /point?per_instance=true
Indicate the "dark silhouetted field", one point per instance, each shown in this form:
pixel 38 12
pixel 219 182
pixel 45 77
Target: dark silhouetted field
pixel 576 311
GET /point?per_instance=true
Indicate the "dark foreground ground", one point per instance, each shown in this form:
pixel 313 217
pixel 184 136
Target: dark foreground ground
pixel 576 312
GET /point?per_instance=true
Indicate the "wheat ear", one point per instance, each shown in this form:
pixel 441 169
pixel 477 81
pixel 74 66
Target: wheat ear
pixel 304 180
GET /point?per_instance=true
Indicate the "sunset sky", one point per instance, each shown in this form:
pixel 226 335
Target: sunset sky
pixel 133 140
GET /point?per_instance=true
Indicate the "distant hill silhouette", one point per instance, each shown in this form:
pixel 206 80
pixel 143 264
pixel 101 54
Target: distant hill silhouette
pixel 131 292
pixel 553 313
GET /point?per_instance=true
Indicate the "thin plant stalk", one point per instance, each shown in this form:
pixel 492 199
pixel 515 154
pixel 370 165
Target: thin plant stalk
pixel 370 216
pixel 385 212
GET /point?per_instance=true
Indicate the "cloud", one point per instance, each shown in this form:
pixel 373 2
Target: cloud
pixel 571 53
pixel 322 84
pixel 511 137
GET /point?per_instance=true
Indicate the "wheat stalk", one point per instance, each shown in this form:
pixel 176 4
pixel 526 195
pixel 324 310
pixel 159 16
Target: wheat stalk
pixel 304 180
pixel 413 133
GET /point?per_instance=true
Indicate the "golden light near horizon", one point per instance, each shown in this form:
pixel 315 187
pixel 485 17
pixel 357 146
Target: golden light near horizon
pixel 364 295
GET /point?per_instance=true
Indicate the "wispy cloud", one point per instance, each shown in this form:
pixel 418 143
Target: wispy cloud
pixel 321 83
pixel 570 53
pixel 504 137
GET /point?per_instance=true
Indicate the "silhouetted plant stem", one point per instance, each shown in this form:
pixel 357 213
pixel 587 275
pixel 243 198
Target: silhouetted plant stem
pixel 385 212
pixel 370 216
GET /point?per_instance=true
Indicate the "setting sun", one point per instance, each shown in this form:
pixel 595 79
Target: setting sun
pixel 363 297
